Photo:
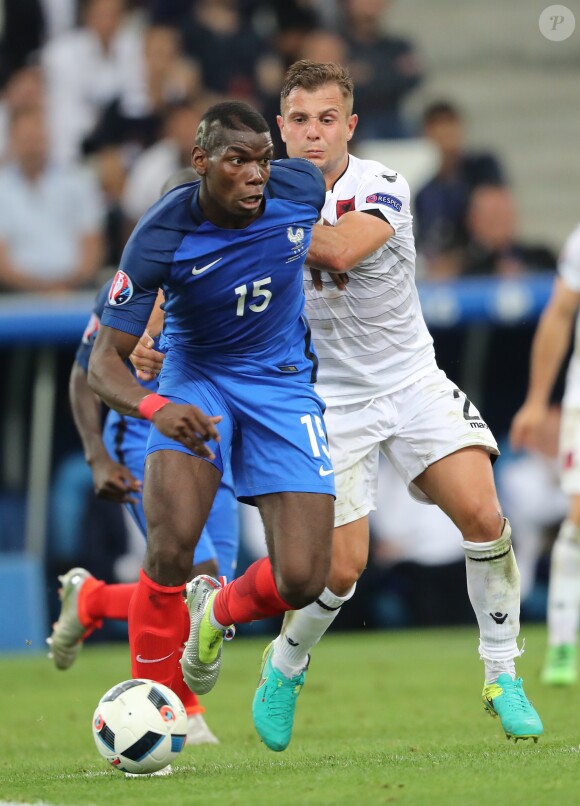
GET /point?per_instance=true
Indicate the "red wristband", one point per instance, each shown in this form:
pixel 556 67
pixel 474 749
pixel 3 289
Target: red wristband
pixel 150 404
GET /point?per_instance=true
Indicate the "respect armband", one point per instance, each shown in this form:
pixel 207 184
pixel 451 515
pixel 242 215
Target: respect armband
pixel 151 404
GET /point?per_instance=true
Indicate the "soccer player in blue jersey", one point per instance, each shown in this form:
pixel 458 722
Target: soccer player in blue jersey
pixel 239 374
pixel 116 456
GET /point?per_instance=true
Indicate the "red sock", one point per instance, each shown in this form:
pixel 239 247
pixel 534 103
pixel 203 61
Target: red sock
pixel 252 596
pixel 156 630
pixel 98 601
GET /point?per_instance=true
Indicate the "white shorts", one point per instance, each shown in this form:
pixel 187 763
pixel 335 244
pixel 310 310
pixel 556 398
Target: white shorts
pixel 570 451
pixel 413 428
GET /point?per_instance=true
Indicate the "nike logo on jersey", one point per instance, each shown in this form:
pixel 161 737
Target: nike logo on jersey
pixel 139 659
pixel 324 472
pixel 195 270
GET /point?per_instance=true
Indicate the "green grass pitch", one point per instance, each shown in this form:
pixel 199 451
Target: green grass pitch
pixel 391 717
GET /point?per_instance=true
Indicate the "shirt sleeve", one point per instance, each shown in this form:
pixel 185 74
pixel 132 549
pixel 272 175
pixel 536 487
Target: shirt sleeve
pixel 298 180
pixel 144 267
pixel 388 193
pixel 569 262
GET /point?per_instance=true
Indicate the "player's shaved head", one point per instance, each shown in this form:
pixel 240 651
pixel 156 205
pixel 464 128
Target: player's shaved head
pixel 226 117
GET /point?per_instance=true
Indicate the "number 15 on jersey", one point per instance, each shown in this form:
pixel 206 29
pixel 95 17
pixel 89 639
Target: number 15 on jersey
pixel 257 292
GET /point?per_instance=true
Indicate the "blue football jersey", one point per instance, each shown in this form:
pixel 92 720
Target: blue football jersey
pixel 228 292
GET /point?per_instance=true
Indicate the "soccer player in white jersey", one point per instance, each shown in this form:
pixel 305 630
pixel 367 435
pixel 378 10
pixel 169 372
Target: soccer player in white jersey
pixel 549 349
pixel 385 393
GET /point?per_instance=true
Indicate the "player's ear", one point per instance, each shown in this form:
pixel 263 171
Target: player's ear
pixel 351 126
pixel 199 160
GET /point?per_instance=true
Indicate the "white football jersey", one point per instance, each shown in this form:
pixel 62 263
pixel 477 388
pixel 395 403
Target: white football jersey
pixel 569 271
pixel 371 338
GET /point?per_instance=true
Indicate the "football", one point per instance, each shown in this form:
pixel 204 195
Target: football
pixel 139 726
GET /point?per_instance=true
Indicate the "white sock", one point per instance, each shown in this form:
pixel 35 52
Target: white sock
pixel 303 629
pixel 493 584
pixel 564 588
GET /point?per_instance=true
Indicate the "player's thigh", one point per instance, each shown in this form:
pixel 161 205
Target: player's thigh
pixel 436 420
pixel 463 486
pixel 178 494
pixel 299 530
pixel 355 433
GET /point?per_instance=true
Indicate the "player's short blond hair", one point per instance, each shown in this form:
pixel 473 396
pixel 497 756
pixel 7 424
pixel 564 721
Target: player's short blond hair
pixel 310 76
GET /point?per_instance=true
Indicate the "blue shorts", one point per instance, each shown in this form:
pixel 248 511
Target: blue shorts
pixel 272 423
pixel 125 439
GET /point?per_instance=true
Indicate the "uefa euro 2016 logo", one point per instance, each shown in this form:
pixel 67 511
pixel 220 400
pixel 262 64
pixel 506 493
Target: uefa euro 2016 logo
pixel 121 289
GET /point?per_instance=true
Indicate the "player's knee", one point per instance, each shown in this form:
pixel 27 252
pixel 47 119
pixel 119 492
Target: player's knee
pixel 482 523
pixel 168 564
pixel 300 589
pixel 341 580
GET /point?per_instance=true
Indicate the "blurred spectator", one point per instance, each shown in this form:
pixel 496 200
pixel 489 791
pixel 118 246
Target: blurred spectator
pixel 320 45
pixel 441 204
pixel 25 88
pixel 111 171
pixel 21 34
pixel 169 12
pixel 163 159
pixel 134 119
pixel 234 59
pixel 50 217
pixel 384 68
pixel 292 20
pixel 86 69
pixel 60 16
pixel 493 246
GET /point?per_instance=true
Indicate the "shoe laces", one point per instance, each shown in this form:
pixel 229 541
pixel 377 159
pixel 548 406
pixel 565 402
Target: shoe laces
pixel 281 698
pixel 515 697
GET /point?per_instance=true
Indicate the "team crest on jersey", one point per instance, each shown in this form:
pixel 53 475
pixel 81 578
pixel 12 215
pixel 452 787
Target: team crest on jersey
pixel 295 236
pixel 386 199
pixel 121 289
pixel 344 206
pixel 91 329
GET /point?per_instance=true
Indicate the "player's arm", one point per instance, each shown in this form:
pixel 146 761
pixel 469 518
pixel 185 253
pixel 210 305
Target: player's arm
pixel 111 480
pixel 112 381
pixel 354 238
pixel 146 360
pixel 549 347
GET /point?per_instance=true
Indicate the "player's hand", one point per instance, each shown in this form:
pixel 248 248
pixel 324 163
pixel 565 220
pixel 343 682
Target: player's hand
pixel 145 359
pixel 527 425
pixel 114 482
pixel 339 280
pixel 188 425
